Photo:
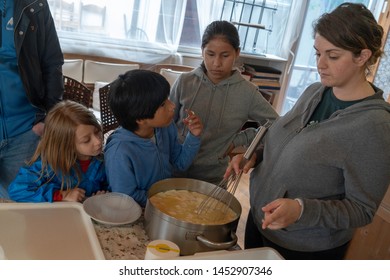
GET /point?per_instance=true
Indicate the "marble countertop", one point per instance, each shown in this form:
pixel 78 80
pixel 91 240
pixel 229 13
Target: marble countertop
pixel 127 242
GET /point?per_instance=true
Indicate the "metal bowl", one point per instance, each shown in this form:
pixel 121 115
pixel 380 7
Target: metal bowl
pixel 191 238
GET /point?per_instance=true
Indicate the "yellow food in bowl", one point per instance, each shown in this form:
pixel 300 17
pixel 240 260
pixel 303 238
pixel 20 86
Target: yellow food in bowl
pixel 183 205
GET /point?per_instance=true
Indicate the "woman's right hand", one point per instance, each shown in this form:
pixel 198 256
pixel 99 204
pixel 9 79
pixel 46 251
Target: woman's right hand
pixel 76 195
pixel 235 163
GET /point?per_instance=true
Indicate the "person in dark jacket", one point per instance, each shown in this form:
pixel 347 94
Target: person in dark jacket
pixel 30 81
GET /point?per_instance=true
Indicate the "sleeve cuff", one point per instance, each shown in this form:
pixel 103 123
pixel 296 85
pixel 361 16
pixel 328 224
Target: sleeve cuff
pixel 57 196
pixel 300 201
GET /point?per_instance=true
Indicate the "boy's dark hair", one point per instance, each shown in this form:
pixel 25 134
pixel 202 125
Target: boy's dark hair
pixel 137 95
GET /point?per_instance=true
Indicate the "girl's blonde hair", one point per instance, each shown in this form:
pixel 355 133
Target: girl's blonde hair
pixel 57 147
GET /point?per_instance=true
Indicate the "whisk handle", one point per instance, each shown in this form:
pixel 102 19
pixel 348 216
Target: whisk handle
pixel 255 142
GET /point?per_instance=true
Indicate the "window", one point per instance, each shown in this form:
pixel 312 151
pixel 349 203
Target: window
pixel 261 24
pixel 152 30
pixel 122 29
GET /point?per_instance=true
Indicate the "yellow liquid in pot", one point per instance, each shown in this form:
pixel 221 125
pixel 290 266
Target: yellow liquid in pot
pixel 183 205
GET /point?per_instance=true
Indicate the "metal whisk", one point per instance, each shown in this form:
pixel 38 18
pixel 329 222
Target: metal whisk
pixel 219 197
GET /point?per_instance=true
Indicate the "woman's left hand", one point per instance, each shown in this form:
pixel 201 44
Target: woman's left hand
pixel 281 213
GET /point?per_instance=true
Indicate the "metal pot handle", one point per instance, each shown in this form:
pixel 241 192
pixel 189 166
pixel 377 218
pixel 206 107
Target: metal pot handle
pixel 218 245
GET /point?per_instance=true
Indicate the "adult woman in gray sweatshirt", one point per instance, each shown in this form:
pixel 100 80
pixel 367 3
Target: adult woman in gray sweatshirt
pixel 326 163
pixel 222 99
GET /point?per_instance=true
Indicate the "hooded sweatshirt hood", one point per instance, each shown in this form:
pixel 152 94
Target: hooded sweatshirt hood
pixel 308 103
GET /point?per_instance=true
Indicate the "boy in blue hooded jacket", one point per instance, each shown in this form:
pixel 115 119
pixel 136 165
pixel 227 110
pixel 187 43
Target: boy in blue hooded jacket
pixel 145 148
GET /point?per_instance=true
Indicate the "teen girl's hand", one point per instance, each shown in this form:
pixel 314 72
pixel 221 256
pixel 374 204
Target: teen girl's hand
pixel 76 195
pixel 193 123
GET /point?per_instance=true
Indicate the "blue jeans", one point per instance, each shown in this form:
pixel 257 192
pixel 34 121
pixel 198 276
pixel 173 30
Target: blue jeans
pixel 14 152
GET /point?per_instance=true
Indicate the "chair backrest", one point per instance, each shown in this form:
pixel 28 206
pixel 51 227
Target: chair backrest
pixel 76 91
pixel 63 14
pixel 73 68
pixel 108 119
pixel 170 75
pixel 96 95
pixel 172 71
pixel 174 67
pixel 92 17
pixel 104 72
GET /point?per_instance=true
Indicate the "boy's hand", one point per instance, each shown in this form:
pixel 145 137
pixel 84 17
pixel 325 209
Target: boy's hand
pixel 194 124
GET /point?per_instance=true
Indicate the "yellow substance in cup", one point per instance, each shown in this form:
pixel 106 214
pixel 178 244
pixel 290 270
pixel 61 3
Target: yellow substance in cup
pixel 163 248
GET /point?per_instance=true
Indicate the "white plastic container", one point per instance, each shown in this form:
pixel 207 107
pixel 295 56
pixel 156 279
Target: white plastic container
pixel 264 253
pixel 161 250
pixel 47 231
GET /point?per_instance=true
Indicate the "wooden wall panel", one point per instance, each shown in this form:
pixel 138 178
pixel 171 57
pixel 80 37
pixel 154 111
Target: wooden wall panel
pixel 372 242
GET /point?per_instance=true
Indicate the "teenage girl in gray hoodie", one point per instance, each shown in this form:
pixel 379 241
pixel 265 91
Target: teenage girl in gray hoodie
pixel 222 99
pixel 326 164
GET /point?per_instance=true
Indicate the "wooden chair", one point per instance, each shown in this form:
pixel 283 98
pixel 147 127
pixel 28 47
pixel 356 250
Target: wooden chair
pixel 105 72
pixel 171 71
pixel 73 68
pixel 76 91
pixel 92 18
pixel 108 119
pixel 64 15
pixel 174 67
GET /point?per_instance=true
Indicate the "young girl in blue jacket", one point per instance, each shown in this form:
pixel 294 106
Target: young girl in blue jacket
pixel 67 164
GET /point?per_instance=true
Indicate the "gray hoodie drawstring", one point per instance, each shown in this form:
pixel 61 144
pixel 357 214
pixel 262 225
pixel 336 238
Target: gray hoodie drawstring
pixel 195 95
pixel 223 106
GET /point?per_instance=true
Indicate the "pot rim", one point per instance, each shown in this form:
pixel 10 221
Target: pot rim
pixel 191 185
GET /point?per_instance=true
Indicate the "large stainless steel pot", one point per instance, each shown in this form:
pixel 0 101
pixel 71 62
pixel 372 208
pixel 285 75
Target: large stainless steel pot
pixel 191 238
